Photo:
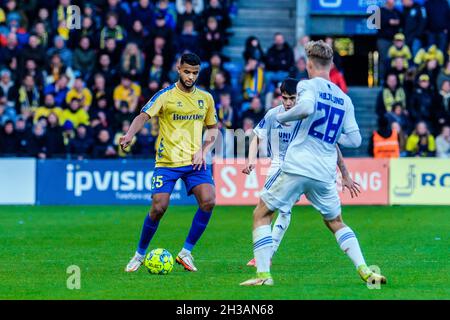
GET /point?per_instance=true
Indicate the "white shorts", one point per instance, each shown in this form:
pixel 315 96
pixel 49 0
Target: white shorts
pixel 283 190
pixel 272 172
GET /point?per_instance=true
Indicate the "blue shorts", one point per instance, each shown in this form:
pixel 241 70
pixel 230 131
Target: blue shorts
pixel 164 178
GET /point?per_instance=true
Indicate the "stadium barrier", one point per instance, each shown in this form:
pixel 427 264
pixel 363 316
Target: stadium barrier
pixel 17 181
pixel 128 182
pixel 235 188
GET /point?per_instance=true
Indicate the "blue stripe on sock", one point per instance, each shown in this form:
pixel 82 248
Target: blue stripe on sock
pixel 263 244
pixel 346 237
pixel 261 240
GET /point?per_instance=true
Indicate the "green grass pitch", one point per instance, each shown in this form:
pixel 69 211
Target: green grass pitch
pixel 410 244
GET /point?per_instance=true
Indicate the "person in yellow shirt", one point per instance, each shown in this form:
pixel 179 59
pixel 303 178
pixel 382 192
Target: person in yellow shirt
pixel 433 53
pixel 127 91
pixel 399 50
pixel 45 110
pixel 123 153
pixel 421 142
pixel 183 111
pixel 81 93
pixel 75 114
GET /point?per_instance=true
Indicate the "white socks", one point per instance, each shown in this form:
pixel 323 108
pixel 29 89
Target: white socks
pixel 262 247
pixel 349 244
pixel 279 229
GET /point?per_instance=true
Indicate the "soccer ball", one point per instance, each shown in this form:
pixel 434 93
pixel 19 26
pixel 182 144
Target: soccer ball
pixel 159 261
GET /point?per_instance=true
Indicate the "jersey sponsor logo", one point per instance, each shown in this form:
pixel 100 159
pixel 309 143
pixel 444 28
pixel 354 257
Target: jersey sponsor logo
pixel 201 104
pixel 179 117
pixel 179 104
pixel 284 136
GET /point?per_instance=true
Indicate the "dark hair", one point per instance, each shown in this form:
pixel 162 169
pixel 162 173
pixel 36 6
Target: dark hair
pixel 289 86
pixel 191 59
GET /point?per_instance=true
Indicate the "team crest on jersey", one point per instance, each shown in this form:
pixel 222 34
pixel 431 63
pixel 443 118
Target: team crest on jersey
pixel 201 104
pixel 179 104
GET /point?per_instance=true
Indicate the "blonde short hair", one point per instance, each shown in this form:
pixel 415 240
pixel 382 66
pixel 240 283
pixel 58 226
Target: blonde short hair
pixel 320 53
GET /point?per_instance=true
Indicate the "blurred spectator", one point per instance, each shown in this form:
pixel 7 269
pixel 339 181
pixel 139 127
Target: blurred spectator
pixel 121 9
pixel 29 95
pixel 59 90
pixel 400 50
pixel 156 72
pixel 23 136
pixel 88 29
pixel 188 41
pixel 80 147
pixel 398 68
pixel 56 69
pixel 32 69
pixel 75 114
pixel 399 115
pixel 444 75
pixel 225 112
pixel 253 50
pixel 132 61
pixel 111 30
pixel 159 46
pixel 390 25
pixel 8 139
pixel 299 49
pixel 433 53
pixel 423 105
pixel 213 39
pixel 208 75
pixel 187 11
pixel 197 6
pixel 443 113
pixel 432 71
pixel 337 59
pixel 54 141
pixel 113 51
pixel 402 137
pixel 6 113
pixel 162 29
pixel 443 143
pixel 338 78
pixel 166 9
pixel 103 148
pixel 392 93
pixel 215 9
pixel 438 12
pixel 7 88
pixel 37 142
pixel 138 34
pixel 80 92
pixel 107 71
pixel 253 81
pixel 127 92
pixel 10 50
pixel 33 51
pixel 421 143
pixel 100 91
pixel 220 86
pixel 48 108
pixel 60 49
pixel 142 10
pixel 385 141
pixel 253 110
pixel 83 58
pixel 300 72
pixel 42 34
pixel 145 144
pixel 414 20
pixel 279 60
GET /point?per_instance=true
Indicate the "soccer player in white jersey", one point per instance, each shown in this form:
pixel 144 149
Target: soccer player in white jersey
pixel 277 137
pixel 325 116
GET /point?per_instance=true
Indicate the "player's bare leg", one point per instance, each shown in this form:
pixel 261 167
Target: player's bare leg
pixel 160 202
pixel 349 244
pixel 262 245
pixel 206 199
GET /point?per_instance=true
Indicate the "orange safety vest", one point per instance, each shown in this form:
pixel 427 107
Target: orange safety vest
pixel 386 147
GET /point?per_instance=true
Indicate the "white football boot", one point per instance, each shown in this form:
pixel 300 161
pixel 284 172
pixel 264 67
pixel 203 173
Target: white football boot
pixel 135 263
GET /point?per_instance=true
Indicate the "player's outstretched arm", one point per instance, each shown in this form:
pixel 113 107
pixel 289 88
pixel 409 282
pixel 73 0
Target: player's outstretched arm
pixel 135 127
pixel 347 181
pixel 252 155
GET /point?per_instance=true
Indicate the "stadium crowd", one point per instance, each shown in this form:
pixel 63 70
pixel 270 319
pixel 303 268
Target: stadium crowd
pixel 71 92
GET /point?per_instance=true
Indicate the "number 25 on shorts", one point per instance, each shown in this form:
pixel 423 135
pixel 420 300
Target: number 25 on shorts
pixel 157 182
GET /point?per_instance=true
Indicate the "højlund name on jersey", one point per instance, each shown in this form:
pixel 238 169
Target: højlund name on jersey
pixel 329 97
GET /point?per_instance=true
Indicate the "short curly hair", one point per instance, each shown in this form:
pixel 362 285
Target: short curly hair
pixel 320 53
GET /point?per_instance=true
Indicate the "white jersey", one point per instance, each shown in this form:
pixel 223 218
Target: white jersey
pixel 275 135
pixel 312 152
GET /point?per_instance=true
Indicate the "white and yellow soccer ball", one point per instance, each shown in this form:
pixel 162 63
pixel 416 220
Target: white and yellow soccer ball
pixel 159 261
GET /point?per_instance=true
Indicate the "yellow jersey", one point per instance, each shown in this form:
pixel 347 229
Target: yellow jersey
pixel 182 117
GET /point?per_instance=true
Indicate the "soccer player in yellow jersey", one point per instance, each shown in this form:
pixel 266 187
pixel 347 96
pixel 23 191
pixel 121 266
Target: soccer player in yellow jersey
pixel 183 111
